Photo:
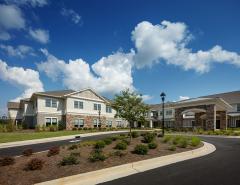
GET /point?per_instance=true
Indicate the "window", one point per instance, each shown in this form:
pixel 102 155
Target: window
pixel 238 107
pixel 51 102
pixel 109 123
pixel 97 106
pixel 108 109
pixel 51 121
pixel 78 104
pixel 79 123
pixel 119 123
pixel 96 123
pixel 160 112
pixel 169 112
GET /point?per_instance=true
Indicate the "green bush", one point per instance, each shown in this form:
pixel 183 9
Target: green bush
pixel 73 147
pixel 176 140
pixel 152 145
pixel 75 154
pixel 126 141
pixel 97 155
pixel 195 141
pixel 99 144
pixel 166 139
pixel 121 146
pixel 6 161
pixel 141 149
pixel 35 164
pixel 172 148
pixel 119 153
pixel 183 143
pixel 61 125
pixel 69 160
pixel 10 127
pixel 107 141
pixel 53 128
pixel 148 137
pixel 135 134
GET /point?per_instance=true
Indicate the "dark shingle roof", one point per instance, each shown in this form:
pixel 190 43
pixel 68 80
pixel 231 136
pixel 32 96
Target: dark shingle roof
pixel 56 93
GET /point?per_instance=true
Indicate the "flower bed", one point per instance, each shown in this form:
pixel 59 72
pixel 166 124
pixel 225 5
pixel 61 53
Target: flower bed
pixel 91 156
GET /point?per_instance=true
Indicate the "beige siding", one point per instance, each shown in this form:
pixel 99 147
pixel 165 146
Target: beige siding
pixel 60 109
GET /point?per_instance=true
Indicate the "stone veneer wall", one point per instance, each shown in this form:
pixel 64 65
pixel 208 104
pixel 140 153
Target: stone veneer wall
pixel 88 121
pixel 198 121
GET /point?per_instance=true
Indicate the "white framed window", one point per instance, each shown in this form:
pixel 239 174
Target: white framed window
pixel 96 123
pixel 51 121
pixel 108 109
pixel 96 106
pixel 238 107
pixel 49 102
pixel 119 123
pixel 78 104
pixel 78 123
pixel 168 112
pixel 109 123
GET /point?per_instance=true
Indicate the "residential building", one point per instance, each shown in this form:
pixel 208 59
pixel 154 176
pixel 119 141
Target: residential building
pixel 74 108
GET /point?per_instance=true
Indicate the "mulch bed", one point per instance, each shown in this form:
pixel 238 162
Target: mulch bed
pixel 16 175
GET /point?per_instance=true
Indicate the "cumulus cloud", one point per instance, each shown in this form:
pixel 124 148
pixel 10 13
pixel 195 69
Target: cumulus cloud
pixel 183 98
pixel 11 18
pixel 26 79
pixel 168 42
pixel 40 35
pixel 110 74
pixel 75 17
pixel 146 97
pixel 20 51
pixel 33 3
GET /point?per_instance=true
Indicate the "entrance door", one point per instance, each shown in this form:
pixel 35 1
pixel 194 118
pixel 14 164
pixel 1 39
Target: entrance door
pixel 238 123
pixel 217 124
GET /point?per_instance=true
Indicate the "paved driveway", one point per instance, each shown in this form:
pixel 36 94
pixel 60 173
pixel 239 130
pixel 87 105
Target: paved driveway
pixel 219 168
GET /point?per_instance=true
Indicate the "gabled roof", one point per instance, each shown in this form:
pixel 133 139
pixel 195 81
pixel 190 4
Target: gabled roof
pixel 60 93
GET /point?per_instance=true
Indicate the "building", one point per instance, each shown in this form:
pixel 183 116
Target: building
pixel 218 111
pixel 74 108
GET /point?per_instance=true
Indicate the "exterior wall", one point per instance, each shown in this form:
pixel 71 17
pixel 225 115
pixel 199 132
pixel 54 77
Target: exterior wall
pixel 15 114
pixel 232 121
pixel 223 119
pixel 41 108
pixel 28 109
pixel 40 117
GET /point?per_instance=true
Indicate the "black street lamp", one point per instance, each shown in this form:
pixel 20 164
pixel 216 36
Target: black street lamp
pixel 99 118
pixel 162 95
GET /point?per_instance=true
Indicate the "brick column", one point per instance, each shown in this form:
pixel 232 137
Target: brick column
pixel 223 119
pixel 178 118
pixel 210 117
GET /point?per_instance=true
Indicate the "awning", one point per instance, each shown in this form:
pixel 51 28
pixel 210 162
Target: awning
pixel 234 114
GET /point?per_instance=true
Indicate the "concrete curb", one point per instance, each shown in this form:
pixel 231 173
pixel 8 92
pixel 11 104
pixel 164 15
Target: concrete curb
pixel 116 172
pixel 51 139
pixel 200 135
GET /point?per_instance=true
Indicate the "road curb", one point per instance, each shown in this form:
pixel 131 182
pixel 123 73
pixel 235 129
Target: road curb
pixel 108 174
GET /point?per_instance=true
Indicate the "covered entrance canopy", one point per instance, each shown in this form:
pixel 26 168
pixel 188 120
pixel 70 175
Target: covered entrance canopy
pixel 209 113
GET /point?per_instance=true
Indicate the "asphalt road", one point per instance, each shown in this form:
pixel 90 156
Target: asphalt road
pixel 16 151
pixel 219 168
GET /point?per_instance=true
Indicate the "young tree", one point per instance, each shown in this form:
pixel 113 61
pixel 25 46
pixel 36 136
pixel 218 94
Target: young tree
pixel 130 107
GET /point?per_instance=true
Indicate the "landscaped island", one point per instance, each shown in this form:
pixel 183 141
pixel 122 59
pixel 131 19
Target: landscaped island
pixel 90 156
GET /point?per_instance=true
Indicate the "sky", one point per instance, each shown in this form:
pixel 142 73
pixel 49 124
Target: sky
pixel 181 47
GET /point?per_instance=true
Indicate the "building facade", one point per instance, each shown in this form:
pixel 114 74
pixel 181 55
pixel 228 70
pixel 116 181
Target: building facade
pixel 73 108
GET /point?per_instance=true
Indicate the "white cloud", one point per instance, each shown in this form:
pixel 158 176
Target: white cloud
pixel 183 98
pixel 40 35
pixel 167 42
pixel 26 79
pixel 10 18
pixel 108 75
pixel 19 51
pixel 33 3
pixel 146 97
pixel 75 17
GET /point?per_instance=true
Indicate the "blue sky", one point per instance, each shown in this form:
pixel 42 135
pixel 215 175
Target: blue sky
pixel 184 48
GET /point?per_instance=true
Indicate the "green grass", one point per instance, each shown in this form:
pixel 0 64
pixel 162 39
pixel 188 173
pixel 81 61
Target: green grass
pixel 21 136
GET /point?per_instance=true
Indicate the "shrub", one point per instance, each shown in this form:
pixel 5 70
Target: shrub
pixel 10 127
pixel 35 164
pixel 97 155
pixel 167 139
pixel 69 160
pixel 135 134
pixel 53 151
pixel 28 152
pixel 5 161
pixel 125 141
pixel 195 141
pixel 99 144
pixel 75 154
pixel 74 128
pixel 152 145
pixel 183 143
pixel 52 128
pixel 119 153
pixel 121 146
pixel 107 141
pixel 61 125
pixel 148 137
pixel 73 147
pixel 172 148
pixel 141 149
pixel 87 143
pixel 38 128
pixel 176 139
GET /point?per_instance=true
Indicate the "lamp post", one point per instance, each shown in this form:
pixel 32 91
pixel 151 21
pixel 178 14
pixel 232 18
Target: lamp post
pixel 162 95
pixel 99 120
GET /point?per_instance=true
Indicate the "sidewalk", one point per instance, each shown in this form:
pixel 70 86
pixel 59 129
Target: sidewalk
pixel 108 174
pixel 203 135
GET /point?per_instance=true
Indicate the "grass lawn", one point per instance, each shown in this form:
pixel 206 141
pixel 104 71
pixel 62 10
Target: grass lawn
pixel 21 136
